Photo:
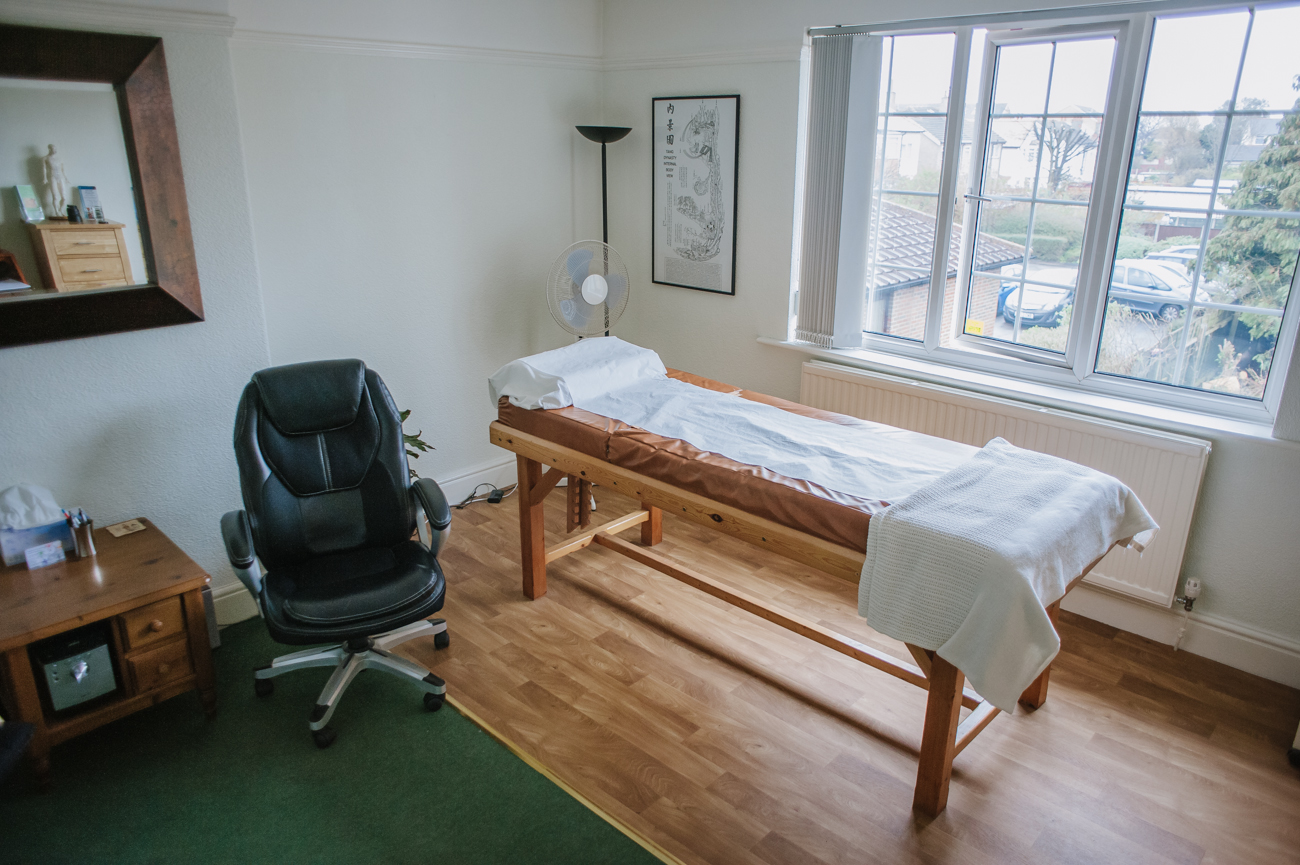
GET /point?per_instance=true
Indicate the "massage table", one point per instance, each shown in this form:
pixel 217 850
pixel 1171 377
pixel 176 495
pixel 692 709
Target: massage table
pixel 796 518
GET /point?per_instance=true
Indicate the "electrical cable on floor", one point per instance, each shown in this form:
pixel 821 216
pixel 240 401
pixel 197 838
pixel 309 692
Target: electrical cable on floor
pixel 495 495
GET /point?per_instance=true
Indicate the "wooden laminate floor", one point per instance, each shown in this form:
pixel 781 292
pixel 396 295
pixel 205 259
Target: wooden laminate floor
pixel 723 738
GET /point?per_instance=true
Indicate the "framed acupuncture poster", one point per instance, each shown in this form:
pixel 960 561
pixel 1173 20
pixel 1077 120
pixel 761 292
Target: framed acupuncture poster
pixel 695 144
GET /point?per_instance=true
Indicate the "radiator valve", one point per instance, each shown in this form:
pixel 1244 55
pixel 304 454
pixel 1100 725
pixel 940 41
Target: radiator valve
pixel 1191 591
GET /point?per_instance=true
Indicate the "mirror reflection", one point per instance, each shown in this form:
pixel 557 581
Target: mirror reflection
pixel 63 159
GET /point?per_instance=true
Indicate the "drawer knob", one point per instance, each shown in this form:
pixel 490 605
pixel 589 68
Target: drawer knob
pixel 156 625
pixel 164 669
pixel 92 270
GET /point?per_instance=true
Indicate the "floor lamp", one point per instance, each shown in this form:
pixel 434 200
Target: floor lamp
pixel 604 135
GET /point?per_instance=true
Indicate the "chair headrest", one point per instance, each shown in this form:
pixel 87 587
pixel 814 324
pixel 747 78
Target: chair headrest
pixel 312 397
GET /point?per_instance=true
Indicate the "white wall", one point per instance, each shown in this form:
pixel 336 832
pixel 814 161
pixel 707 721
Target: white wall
pixel 408 202
pixel 139 424
pixel 1245 545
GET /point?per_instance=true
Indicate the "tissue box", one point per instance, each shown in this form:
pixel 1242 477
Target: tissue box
pixel 15 542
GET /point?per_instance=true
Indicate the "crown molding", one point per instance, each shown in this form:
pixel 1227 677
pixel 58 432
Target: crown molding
pixel 778 54
pixel 112 17
pixel 417 50
pixel 420 50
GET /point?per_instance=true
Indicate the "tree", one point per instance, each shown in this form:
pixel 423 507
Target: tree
pixel 1257 255
pixel 1242 127
pixel 1063 143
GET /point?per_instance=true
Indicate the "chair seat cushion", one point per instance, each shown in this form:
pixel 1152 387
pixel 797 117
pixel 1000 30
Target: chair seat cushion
pixel 358 586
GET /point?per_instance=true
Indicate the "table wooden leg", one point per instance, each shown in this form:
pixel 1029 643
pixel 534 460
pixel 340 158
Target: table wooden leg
pixel 196 623
pixel 939 737
pixel 652 530
pixel 572 503
pixel 1036 694
pixel 532 529
pixel 584 504
pixel 26 702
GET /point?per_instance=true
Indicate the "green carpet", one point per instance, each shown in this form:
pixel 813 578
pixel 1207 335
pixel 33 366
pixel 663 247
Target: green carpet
pixel 399 785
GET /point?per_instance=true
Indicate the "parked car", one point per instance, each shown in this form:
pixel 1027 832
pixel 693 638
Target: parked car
pixel 1039 305
pixel 1177 255
pixel 1042 304
pixel 1160 288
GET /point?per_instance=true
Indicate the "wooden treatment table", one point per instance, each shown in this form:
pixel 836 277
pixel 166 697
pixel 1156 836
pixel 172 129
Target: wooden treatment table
pixel 603 449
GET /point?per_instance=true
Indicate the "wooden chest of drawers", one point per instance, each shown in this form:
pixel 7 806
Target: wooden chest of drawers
pixel 151 594
pixel 75 257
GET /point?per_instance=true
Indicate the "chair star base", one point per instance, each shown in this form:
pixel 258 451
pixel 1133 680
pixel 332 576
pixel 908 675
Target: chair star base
pixel 351 658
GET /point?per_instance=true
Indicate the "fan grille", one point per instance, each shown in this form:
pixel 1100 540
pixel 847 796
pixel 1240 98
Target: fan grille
pixel 564 288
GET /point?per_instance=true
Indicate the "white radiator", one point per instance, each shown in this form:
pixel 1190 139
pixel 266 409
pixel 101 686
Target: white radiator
pixel 1164 469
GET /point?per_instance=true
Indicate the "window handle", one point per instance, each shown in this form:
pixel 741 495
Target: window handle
pixel 970 196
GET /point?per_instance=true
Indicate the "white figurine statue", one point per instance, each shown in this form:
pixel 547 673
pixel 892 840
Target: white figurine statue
pixel 56 179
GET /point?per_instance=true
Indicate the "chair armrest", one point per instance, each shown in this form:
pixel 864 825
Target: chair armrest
pixel 436 512
pixel 238 538
pixel 429 495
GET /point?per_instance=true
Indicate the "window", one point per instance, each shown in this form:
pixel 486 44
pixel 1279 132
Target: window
pixel 1212 160
pixel 1109 202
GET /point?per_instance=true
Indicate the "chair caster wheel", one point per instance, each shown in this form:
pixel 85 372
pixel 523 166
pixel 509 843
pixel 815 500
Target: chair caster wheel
pixel 263 687
pixel 442 640
pixel 433 702
pixel 324 737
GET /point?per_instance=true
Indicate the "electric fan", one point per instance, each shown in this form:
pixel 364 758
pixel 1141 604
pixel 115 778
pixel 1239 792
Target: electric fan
pixel 588 288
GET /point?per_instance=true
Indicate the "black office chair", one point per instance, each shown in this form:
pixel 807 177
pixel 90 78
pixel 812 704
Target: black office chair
pixel 329 510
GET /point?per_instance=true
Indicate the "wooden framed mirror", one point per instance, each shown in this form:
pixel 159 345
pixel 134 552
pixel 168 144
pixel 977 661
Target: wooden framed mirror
pixel 169 294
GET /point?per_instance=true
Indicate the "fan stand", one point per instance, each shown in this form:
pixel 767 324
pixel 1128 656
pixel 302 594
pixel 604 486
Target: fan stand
pixel 604 135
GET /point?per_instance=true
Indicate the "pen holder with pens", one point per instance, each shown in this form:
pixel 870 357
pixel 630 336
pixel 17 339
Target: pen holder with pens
pixel 84 539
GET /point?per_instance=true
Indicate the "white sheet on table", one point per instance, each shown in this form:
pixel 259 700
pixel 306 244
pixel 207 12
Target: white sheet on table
pixel 614 378
pixel 966 565
pixel 553 379
pixel 872 461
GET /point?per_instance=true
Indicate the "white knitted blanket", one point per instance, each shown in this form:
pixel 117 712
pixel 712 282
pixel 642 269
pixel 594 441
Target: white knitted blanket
pixel 965 565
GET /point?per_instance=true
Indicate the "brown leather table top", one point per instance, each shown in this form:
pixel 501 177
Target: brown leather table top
pixel 799 504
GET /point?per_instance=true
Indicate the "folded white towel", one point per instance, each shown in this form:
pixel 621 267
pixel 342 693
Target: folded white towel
pixel 966 565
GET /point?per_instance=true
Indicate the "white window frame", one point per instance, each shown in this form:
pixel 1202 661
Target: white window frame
pixel 1132 26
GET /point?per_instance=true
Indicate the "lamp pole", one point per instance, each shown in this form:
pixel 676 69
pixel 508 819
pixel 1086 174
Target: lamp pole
pixel 604 135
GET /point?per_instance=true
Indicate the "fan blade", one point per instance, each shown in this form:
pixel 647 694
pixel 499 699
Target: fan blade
pixel 578 264
pixel 617 285
pixel 574 312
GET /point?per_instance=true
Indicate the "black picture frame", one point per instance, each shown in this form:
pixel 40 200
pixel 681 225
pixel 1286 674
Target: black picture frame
pixel 700 256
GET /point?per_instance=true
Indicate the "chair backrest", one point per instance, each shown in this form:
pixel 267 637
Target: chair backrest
pixel 322 465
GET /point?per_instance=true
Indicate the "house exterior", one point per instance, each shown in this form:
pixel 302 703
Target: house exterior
pixel 897 299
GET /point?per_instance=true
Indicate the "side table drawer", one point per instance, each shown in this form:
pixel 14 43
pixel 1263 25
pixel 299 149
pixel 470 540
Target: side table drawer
pixel 90 269
pixel 160 666
pixel 90 242
pixel 146 625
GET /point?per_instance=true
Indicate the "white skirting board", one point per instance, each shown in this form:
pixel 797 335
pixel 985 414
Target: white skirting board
pixel 1270 656
pixel 233 602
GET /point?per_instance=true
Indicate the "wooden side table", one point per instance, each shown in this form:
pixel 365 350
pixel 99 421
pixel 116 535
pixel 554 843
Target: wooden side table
pixel 153 594
pixel 74 256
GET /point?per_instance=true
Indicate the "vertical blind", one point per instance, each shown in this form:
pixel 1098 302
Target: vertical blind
pixel 828 118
